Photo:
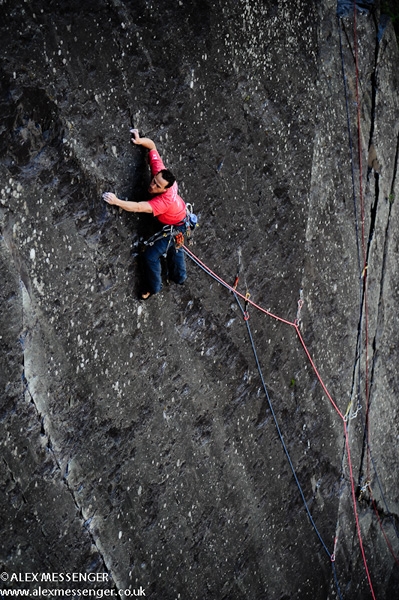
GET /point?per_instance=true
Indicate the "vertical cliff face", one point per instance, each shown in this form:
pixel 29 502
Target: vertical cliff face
pixel 138 439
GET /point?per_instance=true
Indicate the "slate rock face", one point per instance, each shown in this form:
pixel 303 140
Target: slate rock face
pixel 138 441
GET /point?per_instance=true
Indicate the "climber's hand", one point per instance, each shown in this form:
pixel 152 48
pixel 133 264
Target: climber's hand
pixel 110 198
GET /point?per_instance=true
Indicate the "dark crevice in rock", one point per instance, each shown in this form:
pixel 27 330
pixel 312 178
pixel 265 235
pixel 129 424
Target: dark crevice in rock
pixel 363 317
pixel 380 315
pixel 395 171
pixel 355 389
pixel 366 499
pixel 362 483
pixel 373 214
pixel 49 445
pixel 380 307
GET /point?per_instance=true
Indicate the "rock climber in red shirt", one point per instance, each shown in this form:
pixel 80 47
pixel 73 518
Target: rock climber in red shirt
pixel 169 208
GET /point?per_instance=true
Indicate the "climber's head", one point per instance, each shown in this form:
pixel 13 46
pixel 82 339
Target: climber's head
pixel 161 182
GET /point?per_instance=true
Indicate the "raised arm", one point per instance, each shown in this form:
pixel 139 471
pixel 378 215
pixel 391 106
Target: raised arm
pixel 144 207
pixel 142 141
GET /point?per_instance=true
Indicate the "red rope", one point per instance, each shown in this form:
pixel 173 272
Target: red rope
pixel 359 533
pixel 317 373
pixel 233 289
pixel 362 215
pixel 272 315
pixel 340 414
pixel 365 285
pixel 296 326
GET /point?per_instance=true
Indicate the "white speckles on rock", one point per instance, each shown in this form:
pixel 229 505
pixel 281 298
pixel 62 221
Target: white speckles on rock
pixel 159 395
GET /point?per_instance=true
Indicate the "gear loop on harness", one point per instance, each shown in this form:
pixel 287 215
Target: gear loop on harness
pixel 176 236
pixel 167 230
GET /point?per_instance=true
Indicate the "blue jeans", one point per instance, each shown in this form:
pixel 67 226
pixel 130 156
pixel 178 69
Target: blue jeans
pixel 175 261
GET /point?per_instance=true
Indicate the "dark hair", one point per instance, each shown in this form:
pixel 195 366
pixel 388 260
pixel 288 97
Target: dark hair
pixel 168 176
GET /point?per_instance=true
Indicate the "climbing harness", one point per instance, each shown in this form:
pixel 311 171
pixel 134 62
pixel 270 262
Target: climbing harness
pixel 164 232
pixel 173 232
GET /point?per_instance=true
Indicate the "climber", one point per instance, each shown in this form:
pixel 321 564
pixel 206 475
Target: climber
pixel 169 208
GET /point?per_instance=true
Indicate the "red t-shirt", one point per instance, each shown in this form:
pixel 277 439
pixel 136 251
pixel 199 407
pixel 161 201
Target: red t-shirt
pixel 168 207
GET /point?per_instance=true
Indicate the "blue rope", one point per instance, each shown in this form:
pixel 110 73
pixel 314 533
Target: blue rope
pixel 278 427
pixel 208 272
pixel 245 315
pixel 204 268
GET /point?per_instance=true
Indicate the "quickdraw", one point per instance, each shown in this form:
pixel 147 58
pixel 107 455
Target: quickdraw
pixel 246 313
pixel 362 490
